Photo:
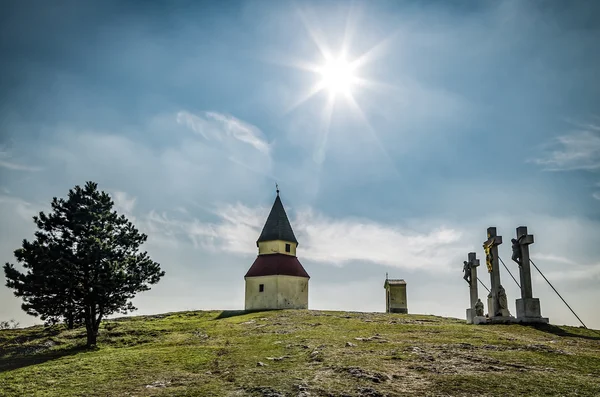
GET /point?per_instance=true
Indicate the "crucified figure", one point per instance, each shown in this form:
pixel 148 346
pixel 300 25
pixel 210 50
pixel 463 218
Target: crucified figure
pixel 467 270
pixel 516 250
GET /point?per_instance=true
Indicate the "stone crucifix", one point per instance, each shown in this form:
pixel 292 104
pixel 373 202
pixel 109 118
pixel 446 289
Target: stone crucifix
pixel 491 259
pixel 474 263
pixel 524 239
pixel 471 266
pixel 528 307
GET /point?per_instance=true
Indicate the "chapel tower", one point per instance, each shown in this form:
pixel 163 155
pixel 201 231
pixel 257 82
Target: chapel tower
pixel 276 279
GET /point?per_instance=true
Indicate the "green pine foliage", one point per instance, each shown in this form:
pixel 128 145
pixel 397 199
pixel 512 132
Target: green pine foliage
pixel 84 264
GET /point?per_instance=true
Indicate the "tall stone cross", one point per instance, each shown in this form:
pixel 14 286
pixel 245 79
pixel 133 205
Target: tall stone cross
pixel 473 284
pixel 528 307
pixel 491 259
pixel 524 240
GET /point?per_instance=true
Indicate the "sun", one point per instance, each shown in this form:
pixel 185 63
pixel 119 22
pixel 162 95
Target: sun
pixel 337 76
pixel 341 71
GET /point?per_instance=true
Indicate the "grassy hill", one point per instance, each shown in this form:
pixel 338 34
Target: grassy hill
pixel 299 353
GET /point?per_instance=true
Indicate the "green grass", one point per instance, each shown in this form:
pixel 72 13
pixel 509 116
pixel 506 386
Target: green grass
pixel 301 353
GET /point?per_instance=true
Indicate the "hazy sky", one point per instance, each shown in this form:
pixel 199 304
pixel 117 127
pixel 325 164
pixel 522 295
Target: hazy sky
pixel 464 115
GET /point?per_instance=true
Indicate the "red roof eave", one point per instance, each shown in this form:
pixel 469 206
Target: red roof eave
pixel 276 264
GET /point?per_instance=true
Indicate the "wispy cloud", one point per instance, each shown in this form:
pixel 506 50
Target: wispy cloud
pixel 124 205
pixel 177 238
pixel 323 239
pixel 23 209
pixel 235 231
pixel 4 162
pixel 187 165
pixel 123 201
pixel 584 126
pixel 578 150
pixel 18 167
pixel 589 273
pixel 217 126
pixel 338 241
pixel 553 258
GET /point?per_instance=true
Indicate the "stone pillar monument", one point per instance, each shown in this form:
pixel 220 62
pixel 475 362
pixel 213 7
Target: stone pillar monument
pixel 472 265
pixel 491 260
pixel 528 307
pixel 473 284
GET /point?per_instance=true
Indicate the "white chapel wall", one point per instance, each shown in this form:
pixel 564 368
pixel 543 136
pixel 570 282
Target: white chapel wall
pixel 279 292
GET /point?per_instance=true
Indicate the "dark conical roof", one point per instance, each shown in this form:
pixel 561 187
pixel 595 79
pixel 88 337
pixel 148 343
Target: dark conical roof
pixel 277 226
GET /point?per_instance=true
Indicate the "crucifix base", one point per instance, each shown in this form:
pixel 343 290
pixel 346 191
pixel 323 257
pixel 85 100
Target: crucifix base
pixel 510 320
pixel 533 320
pixel 529 311
pixel 473 318
pixel 470 315
pixel 496 320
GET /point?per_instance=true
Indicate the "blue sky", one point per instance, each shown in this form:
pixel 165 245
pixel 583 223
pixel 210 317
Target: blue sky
pixel 475 115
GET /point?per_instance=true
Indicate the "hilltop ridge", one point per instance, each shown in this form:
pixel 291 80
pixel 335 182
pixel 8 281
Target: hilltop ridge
pixel 299 353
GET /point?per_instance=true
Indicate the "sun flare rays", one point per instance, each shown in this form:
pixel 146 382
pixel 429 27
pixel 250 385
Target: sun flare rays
pixel 338 73
pixel 339 78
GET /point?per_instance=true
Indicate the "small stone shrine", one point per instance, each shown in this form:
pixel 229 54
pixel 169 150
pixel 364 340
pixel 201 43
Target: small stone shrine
pixel 395 296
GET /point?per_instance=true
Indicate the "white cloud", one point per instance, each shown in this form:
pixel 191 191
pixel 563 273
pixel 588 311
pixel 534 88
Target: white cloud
pixel 338 241
pixel 218 252
pixel 552 258
pixel 590 273
pixel 236 230
pixel 578 150
pixel 123 202
pixel 561 270
pixel 217 126
pixel 22 208
pixel 596 195
pixel 323 239
pixel 15 224
pixel 182 167
pixel 355 295
pixel 585 126
pixel 18 167
pixel 5 155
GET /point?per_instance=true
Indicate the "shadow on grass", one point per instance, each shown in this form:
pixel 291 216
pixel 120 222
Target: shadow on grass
pixel 26 335
pixel 230 313
pixel 235 313
pixel 15 362
pixel 553 329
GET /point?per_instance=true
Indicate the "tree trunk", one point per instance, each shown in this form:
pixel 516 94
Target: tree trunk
pixel 91 337
pixel 71 311
pixel 90 326
pixel 97 324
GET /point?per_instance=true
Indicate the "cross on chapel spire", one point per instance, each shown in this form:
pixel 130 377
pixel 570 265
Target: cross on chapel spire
pixel 277 226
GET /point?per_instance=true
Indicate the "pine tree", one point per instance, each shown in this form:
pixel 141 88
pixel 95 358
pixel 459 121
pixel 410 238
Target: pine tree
pixel 84 264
